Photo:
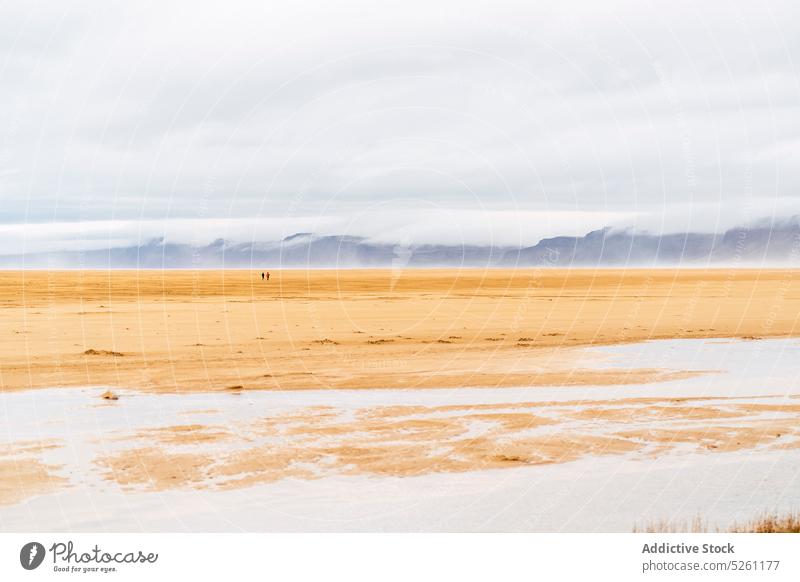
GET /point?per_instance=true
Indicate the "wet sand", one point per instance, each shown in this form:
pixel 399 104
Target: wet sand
pixel 23 474
pixel 406 441
pixel 576 458
pixel 229 384
pixel 189 331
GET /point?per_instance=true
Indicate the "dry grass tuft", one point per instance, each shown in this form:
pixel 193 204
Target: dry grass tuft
pixel 696 525
pixel 765 523
pixel 770 523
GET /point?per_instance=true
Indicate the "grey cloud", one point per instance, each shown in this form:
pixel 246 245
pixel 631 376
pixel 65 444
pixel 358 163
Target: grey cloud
pixel 114 111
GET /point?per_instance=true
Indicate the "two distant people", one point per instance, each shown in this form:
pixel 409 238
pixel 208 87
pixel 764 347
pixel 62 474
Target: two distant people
pixel 265 276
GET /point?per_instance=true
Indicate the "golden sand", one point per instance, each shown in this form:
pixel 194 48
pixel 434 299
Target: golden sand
pixel 23 474
pixel 403 441
pixel 408 440
pixel 228 330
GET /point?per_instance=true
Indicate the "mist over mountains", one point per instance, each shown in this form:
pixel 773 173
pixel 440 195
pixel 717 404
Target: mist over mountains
pixel 768 243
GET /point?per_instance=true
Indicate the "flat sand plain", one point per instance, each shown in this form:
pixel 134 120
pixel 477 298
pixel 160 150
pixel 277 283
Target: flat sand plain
pixel 173 331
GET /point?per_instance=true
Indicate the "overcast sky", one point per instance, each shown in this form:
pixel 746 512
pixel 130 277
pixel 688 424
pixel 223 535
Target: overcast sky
pixel 408 121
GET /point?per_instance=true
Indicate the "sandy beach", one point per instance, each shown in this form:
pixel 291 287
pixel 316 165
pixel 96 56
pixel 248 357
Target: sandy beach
pixel 720 445
pixel 124 387
pixel 182 331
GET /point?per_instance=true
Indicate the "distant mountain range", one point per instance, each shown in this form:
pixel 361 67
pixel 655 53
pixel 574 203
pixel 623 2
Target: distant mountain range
pixel 767 244
pixel 770 243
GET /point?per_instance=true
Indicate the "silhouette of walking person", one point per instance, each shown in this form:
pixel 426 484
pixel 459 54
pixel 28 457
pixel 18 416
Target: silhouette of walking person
pixel 262 276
